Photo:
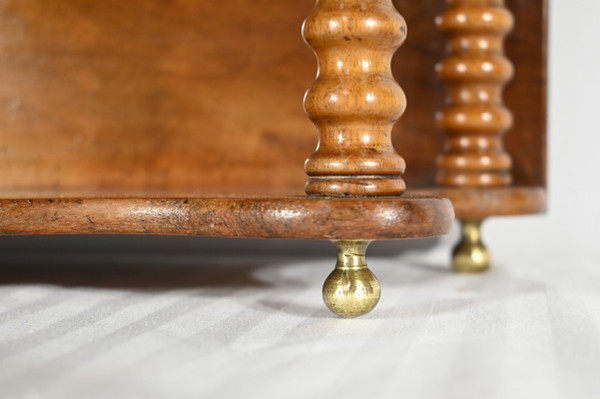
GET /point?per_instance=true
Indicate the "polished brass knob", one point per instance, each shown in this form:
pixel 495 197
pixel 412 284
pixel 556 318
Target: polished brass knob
pixel 470 255
pixel 351 290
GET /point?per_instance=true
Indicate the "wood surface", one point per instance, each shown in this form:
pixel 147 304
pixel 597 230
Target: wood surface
pixel 525 94
pixel 481 203
pixel 354 101
pixel 475 72
pixel 146 95
pixel 283 217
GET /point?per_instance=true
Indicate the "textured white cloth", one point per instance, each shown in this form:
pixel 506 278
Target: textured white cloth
pixel 164 317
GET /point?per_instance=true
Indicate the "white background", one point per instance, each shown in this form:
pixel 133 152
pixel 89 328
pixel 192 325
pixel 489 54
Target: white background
pixel 572 223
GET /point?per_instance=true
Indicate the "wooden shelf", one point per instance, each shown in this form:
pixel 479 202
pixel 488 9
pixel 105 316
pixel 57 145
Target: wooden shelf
pixel 481 203
pixel 293 217
pixel 280 213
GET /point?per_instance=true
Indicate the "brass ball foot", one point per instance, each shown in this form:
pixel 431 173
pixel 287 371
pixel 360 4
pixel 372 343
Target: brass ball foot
pixel 351 290
pixel 470 255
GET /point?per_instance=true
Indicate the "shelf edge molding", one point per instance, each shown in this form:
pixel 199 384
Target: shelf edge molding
pixel 272 217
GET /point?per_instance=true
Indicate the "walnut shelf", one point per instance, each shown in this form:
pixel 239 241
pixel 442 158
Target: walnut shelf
pixel 481 203
pixel 294 217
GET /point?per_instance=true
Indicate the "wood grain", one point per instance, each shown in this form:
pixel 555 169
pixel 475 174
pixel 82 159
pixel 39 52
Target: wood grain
pixel 525 95
pixel 354 100
pixel 283 217
pixel 475 71
pixel 150 95
pixel 481 203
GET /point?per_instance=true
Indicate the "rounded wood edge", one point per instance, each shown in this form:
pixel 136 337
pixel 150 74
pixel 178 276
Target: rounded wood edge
pixel 286 217
pixel 480 203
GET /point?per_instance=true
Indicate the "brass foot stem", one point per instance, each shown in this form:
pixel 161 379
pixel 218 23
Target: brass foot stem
pixel 351 290
pixel 470 255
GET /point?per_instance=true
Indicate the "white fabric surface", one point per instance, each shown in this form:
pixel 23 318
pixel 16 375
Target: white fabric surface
pixel 98 322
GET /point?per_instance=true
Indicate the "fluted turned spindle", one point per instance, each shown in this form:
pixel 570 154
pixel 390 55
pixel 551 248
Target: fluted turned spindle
pixel 475 72
pixel 354 100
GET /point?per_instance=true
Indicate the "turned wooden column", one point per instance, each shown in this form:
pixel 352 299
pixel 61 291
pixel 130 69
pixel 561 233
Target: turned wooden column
pixel 354 100
pixel 475 119
pixel 475 72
